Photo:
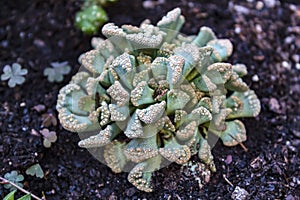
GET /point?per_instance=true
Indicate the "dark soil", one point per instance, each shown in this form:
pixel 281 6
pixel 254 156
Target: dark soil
pixel 37 32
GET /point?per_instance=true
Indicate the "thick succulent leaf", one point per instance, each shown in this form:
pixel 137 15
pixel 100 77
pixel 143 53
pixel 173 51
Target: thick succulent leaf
pixel 200 115
pixel 114 156
pixel 152 113
pixel 93 61
pixel 191 56
pixel 185 133
pixel 206 102
pixel 159 68
pixel 217 102
pixel 204 36
pixel 235 83
pixel 171 24
pixel 104 113
pixel 118 113
pixel 204 59
pixel 141 76
pixel 140 149
pixel 243 104
pixel 142 94
pixel 235 133
pixel 134 128
pixel 132 37
pixel 175 67
pixel 219 73
pixel 204 83
pixel 222 49
pixel 219 118
pixel 205 154
pixel 104 137
pixel 119 94
pixel 124 66
pixel 176 100
pixel 70 115
pixel 240 69
pixel 80 79
pixel 175 152
pixel 105 47
pixel 140 175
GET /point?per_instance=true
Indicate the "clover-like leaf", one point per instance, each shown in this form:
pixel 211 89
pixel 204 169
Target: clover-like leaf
pixel 35 170
pixel 14 74
pixel 15 178
pixel 49 137
pixel 56 72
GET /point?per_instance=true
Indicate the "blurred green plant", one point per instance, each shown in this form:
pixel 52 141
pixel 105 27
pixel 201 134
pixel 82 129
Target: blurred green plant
pixel 14 74
pixel 91 16
pixel 56 72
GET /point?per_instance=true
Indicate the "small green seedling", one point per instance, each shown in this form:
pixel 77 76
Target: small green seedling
pixel 11 196
pixel 49 137
pixel 56 72
pixel 90 19
pixel 15 178
pixel 35 170
pixel 14 74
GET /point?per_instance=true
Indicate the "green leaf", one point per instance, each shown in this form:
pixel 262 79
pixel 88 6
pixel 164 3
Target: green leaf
pixel 10 196
pixel 25 197
pixel 35 170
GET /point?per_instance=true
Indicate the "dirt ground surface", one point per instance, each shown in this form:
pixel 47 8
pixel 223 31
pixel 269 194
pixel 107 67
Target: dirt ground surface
pixel 266 37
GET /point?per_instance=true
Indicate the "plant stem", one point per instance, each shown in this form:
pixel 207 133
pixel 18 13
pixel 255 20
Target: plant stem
pixel 19 188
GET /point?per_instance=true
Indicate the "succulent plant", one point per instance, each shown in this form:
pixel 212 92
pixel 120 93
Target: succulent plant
pixel 14 74
pixel 151 96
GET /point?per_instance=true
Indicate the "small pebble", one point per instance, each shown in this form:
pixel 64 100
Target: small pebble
pixel 259 5
pixel 239 193
pixel 270 3
pixel 289 40
pixel 297 66
pixel 149 4
pixel 286 64
pixel 258 28
pixel 296 58
pixel 255 78
pixel 274 105
pixel 237 30
pixel 241 9
pixel 23 104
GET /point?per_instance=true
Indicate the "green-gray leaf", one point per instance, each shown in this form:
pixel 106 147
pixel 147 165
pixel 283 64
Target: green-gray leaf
pixel 25 197
pixel 35 170
pixel 10 196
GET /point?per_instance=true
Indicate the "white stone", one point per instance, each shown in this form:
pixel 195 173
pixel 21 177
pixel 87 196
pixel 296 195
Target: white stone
pixel 255 78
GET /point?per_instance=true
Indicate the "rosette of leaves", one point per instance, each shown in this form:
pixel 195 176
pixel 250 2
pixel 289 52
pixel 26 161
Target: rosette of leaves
pixel 151 95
